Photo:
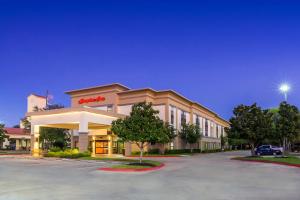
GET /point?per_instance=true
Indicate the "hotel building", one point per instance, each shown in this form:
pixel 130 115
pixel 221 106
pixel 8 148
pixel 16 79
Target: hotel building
pixel 93 109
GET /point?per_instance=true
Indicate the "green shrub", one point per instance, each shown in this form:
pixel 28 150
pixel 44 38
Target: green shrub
pixel 211 150
pixel 181 151
pixel 68 153
pixel 55 149
pixel 151 151
pixel 154 151
pixel 135 153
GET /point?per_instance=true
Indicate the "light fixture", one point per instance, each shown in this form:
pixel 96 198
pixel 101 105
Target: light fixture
pixel 284 88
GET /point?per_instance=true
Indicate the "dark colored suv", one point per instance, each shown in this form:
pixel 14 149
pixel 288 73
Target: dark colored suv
pixel 268 150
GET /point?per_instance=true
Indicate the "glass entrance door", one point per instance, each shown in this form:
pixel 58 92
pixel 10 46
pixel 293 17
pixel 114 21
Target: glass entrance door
pixel 101 146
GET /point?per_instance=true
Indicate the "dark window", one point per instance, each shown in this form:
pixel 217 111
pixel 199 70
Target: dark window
pixel 183 118
pixel 109 108
pixel 206 127
pixel 197 121
pixel 172 117
pixel 217 131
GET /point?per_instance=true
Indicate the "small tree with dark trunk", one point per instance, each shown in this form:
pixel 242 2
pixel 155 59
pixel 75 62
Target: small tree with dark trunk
pixel 287 124
pixel 190 133
pixel 250 123
pixel 223 141
pixel 142 127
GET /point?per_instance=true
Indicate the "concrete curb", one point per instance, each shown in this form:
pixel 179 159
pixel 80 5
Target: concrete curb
pixel 177 156
pixel 131 170
pixel 267 161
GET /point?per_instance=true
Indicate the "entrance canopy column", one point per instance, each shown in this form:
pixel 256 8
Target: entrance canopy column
pixel 83 135
pixel 35 145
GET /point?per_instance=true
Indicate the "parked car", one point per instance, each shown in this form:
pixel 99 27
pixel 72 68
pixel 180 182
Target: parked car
pixel 268 150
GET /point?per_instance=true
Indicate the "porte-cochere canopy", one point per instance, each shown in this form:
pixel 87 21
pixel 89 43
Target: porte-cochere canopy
pixel 91 124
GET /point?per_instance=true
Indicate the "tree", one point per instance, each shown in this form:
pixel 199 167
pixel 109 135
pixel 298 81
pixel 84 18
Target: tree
pixel 250 123
pixel 235 142
pixel 54 137
pixel 190 133
pixel 26 123
pixel 48 107
pixel 3 133
pixel 170 131
pixel 142 127
pixel 224 140
pixel 50 137
pixel 287 124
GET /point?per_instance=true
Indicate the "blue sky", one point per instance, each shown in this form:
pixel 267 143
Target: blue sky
pixel 219 53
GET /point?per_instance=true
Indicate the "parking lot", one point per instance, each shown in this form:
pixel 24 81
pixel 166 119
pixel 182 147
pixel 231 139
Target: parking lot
pixel 205 176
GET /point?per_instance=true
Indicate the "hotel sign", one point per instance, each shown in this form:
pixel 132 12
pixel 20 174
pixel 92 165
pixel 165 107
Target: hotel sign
pixel 89 100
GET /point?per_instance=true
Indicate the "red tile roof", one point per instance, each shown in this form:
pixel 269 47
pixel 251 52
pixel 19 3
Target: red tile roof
pixel 17 131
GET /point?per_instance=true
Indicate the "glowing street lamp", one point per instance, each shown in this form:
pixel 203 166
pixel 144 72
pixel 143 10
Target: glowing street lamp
pixel 284 88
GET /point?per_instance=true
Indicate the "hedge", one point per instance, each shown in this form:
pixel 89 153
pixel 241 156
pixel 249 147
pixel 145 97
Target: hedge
pixel 68 153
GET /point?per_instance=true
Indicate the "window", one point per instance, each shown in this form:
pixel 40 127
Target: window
pixel 197 121
pixel 172 117
pixel 217 131
pixel 206 127
pixel 183 118
pixel 171 145
pixel 109 108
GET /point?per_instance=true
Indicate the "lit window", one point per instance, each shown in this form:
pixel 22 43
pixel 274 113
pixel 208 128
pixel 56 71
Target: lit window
pixel 171 145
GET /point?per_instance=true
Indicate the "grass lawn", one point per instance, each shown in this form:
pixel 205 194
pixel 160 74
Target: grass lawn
pixel 108 159
pixel 128 163
pixel 288 160
pixel 161 155
pixel 136 165
pixel 13 152
pixel 129 167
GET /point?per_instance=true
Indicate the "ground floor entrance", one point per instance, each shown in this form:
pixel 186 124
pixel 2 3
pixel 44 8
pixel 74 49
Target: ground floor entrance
pixel 89 129
pixel 108 144
pixel 101 147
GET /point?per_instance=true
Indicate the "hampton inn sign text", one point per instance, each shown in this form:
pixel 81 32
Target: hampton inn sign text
pixel 88 100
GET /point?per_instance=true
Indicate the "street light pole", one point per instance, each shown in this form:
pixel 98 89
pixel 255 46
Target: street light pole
pixel 285 96
pixel 284 88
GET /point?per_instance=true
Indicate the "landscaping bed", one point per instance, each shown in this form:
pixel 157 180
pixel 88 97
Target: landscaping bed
pixel 12 152
pixel 68 153
pixel 146 165
pixel 126 165
pixel 173 153
pixel 290 160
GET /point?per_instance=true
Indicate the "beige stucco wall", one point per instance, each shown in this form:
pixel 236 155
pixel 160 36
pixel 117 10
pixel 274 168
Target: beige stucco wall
pixel 165 101
pixel 35 101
